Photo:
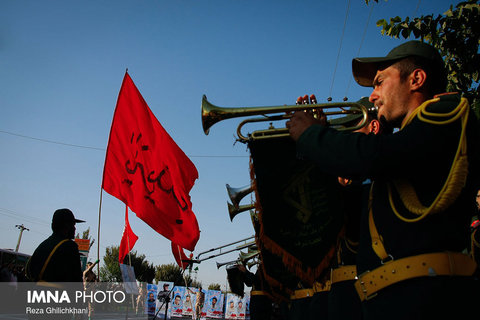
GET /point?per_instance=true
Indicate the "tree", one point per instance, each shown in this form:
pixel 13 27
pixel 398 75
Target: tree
pixel 456 34
pixel 110 271
pixel 86 235
pixel 214 286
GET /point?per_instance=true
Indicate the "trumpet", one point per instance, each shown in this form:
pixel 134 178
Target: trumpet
pixel 237 194
pixel 239 247
pixel 243 258
pixel 212 114
pixel 234 210
pixel 221 264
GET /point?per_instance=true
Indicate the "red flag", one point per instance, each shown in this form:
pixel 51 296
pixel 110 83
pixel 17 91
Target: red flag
pixel 180 256
pixel 146 170
pixel 128 239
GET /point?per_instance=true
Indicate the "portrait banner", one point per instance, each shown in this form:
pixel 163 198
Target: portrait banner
pixel 151 299
pixel 164 291
pixel 214 304
pixel 177 301
pixel 189 300
pixel 235 307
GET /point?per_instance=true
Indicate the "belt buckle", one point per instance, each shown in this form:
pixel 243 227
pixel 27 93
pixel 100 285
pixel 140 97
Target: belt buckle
pixel 388 259
pixel 364 289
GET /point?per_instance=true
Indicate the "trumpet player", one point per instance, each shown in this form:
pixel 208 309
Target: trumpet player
pixel 424 177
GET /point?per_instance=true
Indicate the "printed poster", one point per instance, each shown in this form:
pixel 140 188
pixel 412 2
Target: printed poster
pixel 214 304
pixel 189 300
pixel 193 298
pixel 151 299
pixel 164 291
pixel 177 301
pixel 236 307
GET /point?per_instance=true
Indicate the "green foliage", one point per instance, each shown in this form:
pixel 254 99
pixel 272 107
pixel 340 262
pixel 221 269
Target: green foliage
pixel 195 283
pixel 144 271
pixel 456 34
pixel 214 286
pixel 110 271
pixel 173 273
pixel 85 235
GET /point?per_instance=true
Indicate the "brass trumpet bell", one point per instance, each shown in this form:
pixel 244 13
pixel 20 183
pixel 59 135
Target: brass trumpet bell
pixel 244 257
pixel 237 194
pixel 252 263
pixel 234 210
pixel 221 264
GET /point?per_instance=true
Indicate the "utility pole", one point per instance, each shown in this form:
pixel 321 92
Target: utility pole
pixel 22 228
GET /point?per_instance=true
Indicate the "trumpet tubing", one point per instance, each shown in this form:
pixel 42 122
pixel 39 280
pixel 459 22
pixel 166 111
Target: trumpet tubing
pixel 212 114
pixel 225 246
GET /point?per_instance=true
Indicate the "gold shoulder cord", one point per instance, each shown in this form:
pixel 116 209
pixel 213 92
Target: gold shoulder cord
pixel 50 257
pixel 451 189
pixel 458 171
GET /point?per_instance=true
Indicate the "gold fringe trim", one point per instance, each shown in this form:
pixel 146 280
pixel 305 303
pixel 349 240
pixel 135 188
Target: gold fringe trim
pixel 294 265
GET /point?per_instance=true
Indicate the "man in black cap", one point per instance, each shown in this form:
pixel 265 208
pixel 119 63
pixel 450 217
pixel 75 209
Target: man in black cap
pixel 57 258
pixel 410 260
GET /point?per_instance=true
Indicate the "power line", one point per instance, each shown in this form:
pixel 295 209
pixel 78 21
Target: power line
pixel 51 141
pixel 416 9
pixel 339 48
pixel 361 44
pixel 100 149
pixel 17 215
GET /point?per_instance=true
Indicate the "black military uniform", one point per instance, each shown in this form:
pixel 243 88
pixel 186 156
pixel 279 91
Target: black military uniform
pixel 64 264
pixel 413 284
pixel 260 301
pixel 343 300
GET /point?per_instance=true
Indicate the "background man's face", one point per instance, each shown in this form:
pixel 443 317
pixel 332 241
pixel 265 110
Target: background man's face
pixel 478 199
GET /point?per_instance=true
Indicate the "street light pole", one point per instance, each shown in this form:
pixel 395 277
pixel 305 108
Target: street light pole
pixel 22 228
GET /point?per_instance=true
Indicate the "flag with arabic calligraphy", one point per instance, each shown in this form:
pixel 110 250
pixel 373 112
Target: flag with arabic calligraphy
pixel 128 239
pixel 147 170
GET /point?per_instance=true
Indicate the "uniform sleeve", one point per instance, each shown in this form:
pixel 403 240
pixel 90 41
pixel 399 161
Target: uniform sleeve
pixel 360 156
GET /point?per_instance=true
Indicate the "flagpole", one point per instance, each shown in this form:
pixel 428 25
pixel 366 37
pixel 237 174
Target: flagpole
pixel 129 259
pixel 98 235
pixel 181 261
pixel 183 274
pixel 128 241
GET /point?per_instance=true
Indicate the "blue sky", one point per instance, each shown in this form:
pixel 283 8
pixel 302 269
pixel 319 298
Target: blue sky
pixel 62 64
